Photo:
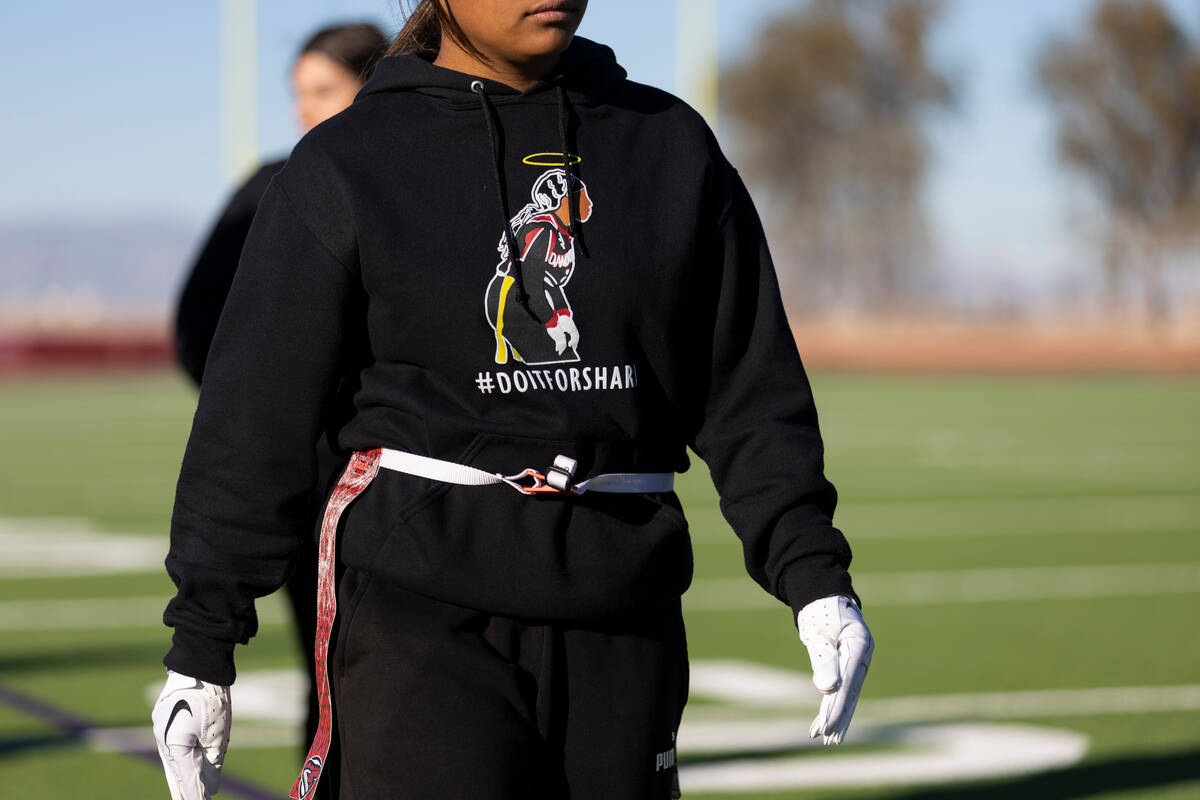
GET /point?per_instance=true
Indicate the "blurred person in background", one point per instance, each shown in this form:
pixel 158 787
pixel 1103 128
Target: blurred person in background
pixel 331 67
pixel 497 644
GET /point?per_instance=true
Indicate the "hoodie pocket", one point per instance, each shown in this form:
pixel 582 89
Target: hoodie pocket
pixel 425 491
pixel 552 556
pixel 391 498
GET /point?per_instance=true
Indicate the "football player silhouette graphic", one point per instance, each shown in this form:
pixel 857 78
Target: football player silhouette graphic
pixel 543 329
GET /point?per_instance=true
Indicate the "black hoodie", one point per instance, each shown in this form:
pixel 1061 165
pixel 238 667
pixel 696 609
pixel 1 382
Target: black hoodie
pixel 651 324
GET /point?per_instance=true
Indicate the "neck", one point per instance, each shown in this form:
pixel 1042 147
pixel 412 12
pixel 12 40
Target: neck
pixel 520 76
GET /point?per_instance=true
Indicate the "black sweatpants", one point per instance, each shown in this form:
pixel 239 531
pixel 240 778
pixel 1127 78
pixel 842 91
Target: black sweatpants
pixel 437 701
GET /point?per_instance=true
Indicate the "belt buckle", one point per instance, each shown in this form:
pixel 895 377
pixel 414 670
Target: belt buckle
pixel 555 480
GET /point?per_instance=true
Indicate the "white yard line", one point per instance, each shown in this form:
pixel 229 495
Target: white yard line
pixel 970 586
pixel 107 613
pixel 931 739
pixel 1011 516
pixel 716 594
pixel 751 685
pixel 53 548
pixel 1007 516
pixel 743 684
pixel 64 547
pixel 927 754
pixel 1040 703
pixel 244 737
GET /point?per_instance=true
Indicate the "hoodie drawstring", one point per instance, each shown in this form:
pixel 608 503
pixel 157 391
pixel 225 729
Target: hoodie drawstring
pixel 514 257
pixel 569 166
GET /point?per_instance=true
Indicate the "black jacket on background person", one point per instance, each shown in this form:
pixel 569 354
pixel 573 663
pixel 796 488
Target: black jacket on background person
pixel 372 255
pixel 211 275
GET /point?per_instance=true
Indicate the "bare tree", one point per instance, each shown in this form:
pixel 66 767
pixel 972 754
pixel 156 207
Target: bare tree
pixel 828 104
pixel 1126 95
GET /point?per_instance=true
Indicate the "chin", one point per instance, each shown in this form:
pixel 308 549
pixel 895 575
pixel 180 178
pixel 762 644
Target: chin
pixel 548 40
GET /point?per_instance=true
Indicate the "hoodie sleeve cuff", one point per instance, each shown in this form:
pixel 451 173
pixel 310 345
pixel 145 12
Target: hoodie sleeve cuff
pixel 198 656
pixel 812 578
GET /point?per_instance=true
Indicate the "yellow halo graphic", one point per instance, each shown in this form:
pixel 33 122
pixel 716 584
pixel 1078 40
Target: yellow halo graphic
pixel 549 159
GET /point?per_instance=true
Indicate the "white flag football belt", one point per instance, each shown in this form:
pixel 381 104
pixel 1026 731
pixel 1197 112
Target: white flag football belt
pixel 556 478
pixel 362 469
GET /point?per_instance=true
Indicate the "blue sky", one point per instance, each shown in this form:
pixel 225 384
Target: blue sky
pixel 111 109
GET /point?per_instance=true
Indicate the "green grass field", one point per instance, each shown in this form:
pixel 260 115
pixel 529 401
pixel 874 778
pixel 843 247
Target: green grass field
pixel 1028 551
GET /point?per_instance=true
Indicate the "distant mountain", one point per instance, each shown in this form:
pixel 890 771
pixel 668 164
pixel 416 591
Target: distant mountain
pixel 128 262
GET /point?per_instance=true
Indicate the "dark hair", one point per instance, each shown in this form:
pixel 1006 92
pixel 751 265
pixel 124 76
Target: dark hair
pixel 422 33
pixel 356 46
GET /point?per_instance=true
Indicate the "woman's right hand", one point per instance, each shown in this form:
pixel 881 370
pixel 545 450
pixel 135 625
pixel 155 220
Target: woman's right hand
pixel 191 728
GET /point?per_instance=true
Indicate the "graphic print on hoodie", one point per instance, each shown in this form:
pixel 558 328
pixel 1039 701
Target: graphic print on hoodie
pixel 542 329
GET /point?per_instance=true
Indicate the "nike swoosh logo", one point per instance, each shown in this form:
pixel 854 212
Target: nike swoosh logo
pixel 182 705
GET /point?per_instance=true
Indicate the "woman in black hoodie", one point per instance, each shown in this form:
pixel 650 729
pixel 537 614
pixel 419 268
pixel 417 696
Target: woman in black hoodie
pixel 512 556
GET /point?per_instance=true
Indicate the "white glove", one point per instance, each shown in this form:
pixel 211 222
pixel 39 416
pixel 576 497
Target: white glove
pixel 568 326
pixel 564 333
pixel 840 647
pixel 191 728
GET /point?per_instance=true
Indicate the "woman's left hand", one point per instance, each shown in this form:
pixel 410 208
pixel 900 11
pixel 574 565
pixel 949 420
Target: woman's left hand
pixel 840 648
